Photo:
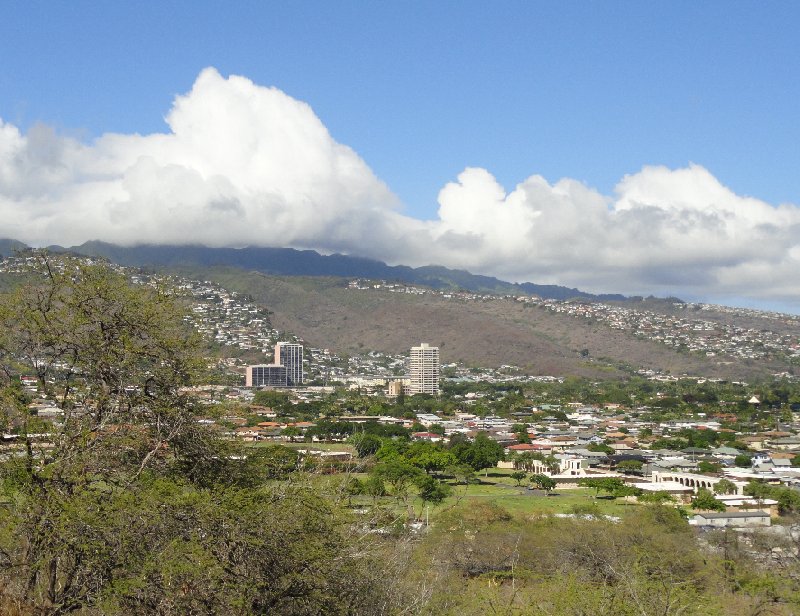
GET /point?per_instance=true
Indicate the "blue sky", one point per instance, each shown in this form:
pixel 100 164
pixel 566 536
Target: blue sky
pixel 421 91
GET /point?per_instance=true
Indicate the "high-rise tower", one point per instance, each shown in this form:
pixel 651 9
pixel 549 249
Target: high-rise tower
pixel 290 355
pixel 424 369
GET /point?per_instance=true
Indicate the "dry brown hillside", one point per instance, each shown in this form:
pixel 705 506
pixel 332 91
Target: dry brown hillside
pixel 327 314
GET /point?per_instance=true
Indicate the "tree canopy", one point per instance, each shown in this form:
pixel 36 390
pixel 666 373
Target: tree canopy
pixel 126 504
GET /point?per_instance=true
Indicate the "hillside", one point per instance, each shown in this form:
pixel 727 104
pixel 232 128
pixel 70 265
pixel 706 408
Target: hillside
pixel 584 336
pixel 326 313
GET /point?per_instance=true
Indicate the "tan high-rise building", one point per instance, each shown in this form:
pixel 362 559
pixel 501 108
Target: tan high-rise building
pixel 423 366
pixel 397 387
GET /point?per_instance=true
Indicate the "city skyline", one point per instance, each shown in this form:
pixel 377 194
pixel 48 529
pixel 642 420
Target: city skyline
pixel 631 149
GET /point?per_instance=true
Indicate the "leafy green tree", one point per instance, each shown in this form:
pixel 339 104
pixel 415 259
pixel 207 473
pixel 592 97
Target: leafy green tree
pixel 758 490
pixel 630 466
pixel 482 453
pixel 391 448
pixel 292 432
pixel 743 461
pixel 518 476
pixel 659 497
pixel 278 401
pixel 430 457
pixel 788 499
pixel 432 491
pixel 366 444
pixel 525 460
pixel 614 487
pixel 709 467
pixel 704 500
pixel 327 430
pixel 551 463
pixel 398 473
pixel 436 429
pixel 353 487
pixel 374 486
pixel 543 482
pixel 462 473
pixel 676 444
pixel 600 447
pixel 521 432
pixel 725 486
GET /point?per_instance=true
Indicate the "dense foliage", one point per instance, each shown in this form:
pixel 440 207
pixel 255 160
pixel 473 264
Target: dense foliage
pixel 126 504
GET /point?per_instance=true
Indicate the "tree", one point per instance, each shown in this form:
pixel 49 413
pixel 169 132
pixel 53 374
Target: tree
pixel 366 444
pixel 436 429
pixel 518 476
pixel 429 457
pixel 543 482
pixel 758 490
pixel 431 490
pixel 788 499
pixel 709 467
pixel 398 473
pixel 670 443
pixel 704 500
pixel 353 487
pixel 600 447
pixel 482 453
pixel 659 497
pixel 630 467
pixel 291 432
pixel 526 460
pixel 374 486
pixel 134 507
pixel 278 401
pixel 743 461
pixel 521 432
pixel 462 473
pixel 724 486
pixel 615 487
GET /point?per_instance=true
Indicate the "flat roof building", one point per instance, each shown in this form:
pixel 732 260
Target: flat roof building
pixel 266 375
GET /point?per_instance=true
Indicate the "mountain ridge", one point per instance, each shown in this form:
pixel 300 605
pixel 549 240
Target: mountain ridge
pixel 294 262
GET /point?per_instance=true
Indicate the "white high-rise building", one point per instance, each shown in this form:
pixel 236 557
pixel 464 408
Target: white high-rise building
pixel 423 365
pixel 290 355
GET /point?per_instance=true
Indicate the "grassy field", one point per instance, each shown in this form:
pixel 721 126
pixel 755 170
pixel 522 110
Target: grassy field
pixel 498 488
pixel 534 502
pixel 314 446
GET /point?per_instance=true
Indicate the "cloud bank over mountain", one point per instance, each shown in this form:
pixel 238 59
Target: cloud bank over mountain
pixel 244 164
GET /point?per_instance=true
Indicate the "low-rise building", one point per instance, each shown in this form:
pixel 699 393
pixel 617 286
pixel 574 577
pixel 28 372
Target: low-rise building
pixel 734 519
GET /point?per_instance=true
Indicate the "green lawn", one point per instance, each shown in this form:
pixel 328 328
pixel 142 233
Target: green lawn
pixel 501 490
pixel 524 502
pixel 314 446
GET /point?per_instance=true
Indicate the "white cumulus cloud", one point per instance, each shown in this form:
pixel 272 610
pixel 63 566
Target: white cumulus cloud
pixel 243 164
